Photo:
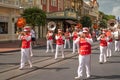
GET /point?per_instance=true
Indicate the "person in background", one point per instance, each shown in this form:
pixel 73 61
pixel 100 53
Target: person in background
pixel 49 38
pixel 75 36
pixel 94 35
pixel 67 35
pixel 116 34
pixel 103 47
pixel 110 43
pixel 59 43
pixel 33 37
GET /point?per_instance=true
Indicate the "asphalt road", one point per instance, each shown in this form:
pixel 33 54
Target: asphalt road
pixel 46 68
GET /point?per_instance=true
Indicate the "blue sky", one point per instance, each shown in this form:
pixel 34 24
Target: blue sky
pixel 111 7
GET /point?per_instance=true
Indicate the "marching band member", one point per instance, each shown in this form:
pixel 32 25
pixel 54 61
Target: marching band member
pixel 49 38
pixel 85 41
pixel 117 40
pixel 110 42
pixel 75 36
pixel 25 48
pixel 29 30
pixel 59 43
pixel 67 38
pixel 103 47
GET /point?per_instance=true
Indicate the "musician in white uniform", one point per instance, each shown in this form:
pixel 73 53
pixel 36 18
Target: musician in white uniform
pixel 117 40
pixel 49 38
pixel 75 35
pixel 25 48
pixel 103 47
pixel 67 38
pixel 59 43
pixel 109 42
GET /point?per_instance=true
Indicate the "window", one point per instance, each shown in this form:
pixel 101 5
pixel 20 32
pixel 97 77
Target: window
pixel 3 27
pixel 53 3
pixel 44 2
pixel 4 24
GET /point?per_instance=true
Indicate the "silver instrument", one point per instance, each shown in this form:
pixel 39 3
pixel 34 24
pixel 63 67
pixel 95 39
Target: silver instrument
pixel 51 26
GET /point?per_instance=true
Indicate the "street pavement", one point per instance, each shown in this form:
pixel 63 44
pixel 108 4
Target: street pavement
pixel 47 68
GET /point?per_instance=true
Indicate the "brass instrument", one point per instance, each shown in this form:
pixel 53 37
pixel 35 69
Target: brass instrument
pixel 22 33
pixel 81 35
pixel 113 23
pixel 102 36
pixel 51 26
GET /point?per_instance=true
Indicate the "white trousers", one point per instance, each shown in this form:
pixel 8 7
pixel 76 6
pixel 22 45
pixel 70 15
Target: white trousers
pixel 109 49
pixel 25 56
pixel 50 44
pixel 74 46
pixel 117 45
pixel 59 47
pixel 67 41
pixel 84 61
pixel 103 53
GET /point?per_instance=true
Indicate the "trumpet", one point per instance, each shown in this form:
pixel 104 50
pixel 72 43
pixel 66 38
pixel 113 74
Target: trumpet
pixel 82 35
pixel 102 36
pixel 21 33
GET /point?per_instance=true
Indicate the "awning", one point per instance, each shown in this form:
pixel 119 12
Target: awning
pixel 70 22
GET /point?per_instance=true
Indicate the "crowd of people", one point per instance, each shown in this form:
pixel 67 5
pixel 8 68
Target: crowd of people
pixel 82 40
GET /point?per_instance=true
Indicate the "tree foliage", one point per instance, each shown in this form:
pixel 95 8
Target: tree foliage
pixel 34 16
pixel 106 17
pixel 103 24
pixel 86 21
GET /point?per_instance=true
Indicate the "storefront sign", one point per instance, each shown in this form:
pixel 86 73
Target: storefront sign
pixel 71 14
pixel 56 14
pixel 67 14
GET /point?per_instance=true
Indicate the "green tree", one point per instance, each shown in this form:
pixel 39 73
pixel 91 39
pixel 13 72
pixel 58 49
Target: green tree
pixel 35 17
pixel 105 18
pixel 108 17
pixel 86 21
pixel 103 24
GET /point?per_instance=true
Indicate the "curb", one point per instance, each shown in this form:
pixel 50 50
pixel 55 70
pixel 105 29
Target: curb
pixel 15 50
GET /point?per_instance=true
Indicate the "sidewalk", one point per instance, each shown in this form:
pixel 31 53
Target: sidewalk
pixel 10 46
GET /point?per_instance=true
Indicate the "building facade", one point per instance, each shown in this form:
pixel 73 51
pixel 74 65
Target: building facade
pixel 63 12
pixel 9 11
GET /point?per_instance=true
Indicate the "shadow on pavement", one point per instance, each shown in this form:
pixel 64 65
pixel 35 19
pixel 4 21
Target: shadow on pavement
pixel 43 56
pixel 54 68
pixel 105 77
pixel 113 62
pixel 9 64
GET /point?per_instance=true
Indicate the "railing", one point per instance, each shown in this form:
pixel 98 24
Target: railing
pixel 9 3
